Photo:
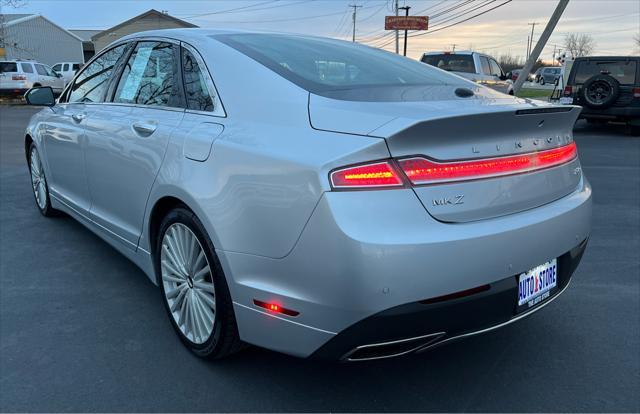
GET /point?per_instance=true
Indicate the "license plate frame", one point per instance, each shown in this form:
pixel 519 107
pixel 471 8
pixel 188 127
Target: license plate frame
pixel 537 285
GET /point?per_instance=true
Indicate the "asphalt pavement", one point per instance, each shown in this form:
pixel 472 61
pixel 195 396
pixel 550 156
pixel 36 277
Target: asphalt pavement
pixel 83 329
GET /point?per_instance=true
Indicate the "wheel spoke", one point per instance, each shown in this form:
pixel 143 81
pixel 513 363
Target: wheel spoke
pixel 171 278
pixel 172 258
pixel 206 299
pixel 200 274
pixel 204 286
pixel 179 302
pixel 173 270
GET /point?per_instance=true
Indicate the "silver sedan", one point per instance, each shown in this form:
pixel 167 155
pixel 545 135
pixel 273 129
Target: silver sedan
pixel 312 196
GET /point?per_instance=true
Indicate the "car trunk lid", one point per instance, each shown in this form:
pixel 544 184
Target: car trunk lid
pixel 455 130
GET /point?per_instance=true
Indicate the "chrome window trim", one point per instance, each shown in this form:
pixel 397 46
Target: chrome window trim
pixel 218 106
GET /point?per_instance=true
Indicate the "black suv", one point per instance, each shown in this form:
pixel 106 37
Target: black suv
pixel 608 88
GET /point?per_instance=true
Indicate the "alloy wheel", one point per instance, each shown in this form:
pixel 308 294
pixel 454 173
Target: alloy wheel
pixel 38 180
pixel 188 284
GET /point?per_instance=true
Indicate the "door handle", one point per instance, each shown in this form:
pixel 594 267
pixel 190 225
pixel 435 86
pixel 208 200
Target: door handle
pixel 145 128
pixel 78 117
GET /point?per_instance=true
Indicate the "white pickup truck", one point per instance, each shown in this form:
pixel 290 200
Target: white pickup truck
pixel 477 67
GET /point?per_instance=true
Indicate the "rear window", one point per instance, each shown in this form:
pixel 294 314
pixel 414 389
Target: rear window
pixel 330 67
pixel 8 67
pixel 452 63
pixel 623 71
pixel 26 67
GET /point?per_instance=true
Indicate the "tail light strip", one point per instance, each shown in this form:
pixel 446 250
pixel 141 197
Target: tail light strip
pixel 419 170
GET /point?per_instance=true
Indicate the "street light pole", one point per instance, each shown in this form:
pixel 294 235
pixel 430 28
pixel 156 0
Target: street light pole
pixel 397 32
pixel 406 13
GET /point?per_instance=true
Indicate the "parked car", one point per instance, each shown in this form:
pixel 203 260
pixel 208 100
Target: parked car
pixel 477 67
pixel 533 77
pixel 514 74
pixel 67 69
pixel 607 87
pixel 314 196
pixel 547 75
pixel 18 76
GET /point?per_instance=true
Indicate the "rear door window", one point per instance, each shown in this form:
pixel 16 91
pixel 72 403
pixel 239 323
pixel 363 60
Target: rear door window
pixel 65 67
pixel 624 71
pixel 451 62
pixel 41 70
pixel 26 67
pixel 8 67
pixel 76 66
pixel 486 68
pixel 149 77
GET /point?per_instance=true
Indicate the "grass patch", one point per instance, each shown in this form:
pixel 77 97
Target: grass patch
pixel 534 93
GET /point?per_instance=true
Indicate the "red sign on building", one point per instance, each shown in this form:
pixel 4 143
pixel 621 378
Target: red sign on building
pixel 406 22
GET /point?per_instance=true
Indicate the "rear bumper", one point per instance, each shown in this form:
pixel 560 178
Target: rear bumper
pixel 419 326
pixel 13 92
pixel 611 113
pixel 367 258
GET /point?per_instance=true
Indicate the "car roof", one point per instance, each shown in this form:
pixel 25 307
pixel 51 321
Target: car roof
pixel 195 34
pixel 608 58
pixel 447 52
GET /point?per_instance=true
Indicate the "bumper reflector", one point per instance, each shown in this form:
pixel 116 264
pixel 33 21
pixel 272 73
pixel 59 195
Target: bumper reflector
pixel 275 308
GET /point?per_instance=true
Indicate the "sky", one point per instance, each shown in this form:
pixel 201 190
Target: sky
pixel 612 23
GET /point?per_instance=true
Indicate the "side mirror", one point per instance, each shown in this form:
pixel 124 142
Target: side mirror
pixel 503 77
pixel 58 75
pixel 41 96
pixel 508 75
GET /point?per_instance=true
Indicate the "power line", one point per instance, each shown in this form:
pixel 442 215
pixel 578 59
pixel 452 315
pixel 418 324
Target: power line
pixel 232 10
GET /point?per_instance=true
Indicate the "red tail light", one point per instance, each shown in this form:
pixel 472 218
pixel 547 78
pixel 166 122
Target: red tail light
pixel 379 174
pixel 424 171
pixel 568 90
pixel 636 92
pixel 18 77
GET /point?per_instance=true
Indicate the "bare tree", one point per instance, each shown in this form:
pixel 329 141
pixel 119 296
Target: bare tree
pixel 579 44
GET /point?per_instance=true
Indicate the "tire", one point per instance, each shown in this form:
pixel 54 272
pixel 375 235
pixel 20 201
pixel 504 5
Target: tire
pixel 39 183
pixel 600 91
pixel 203 315
pixel 541 81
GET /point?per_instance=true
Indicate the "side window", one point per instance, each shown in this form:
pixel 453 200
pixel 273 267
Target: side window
pixel 50 71
pixel 41 70
pixel 486 69
pixel 26 67
pixel 91 84
pixel 195 84
pixel 495 68
pixel 76 66
pixel 57 67
pixel 65 67
pixel 149 77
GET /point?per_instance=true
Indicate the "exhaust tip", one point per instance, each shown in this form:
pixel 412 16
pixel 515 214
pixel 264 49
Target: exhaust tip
pixel 392 348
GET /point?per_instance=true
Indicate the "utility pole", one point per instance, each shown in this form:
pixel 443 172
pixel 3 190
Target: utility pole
pixel 544 38
pixel 397 32
pixel 533 26
pixel 355 11
pixel 453 47
pixel 527 55
pixel 406 13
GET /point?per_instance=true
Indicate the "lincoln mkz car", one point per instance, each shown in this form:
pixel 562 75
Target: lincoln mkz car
pixel 312 196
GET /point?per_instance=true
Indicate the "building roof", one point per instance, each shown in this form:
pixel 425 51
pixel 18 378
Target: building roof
pixel 9 17
pixel 152 12
pixel 14 19
pixel 85 34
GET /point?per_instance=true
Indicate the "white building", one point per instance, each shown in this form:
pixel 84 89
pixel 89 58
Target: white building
pixel 32 36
